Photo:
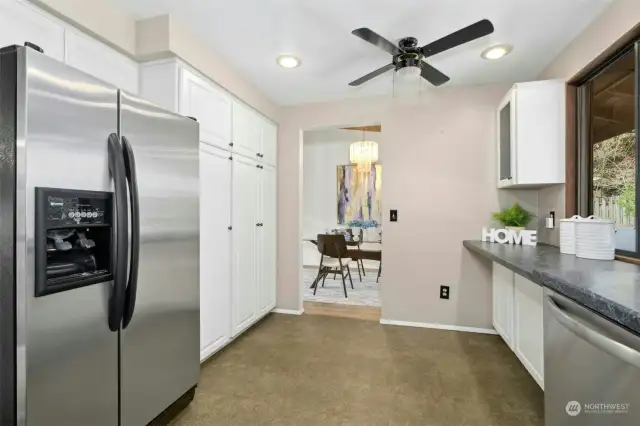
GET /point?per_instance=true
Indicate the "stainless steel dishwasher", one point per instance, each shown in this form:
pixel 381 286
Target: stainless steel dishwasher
pixel 591 367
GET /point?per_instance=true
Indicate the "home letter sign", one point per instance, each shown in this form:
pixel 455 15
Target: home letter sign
pixel 510 236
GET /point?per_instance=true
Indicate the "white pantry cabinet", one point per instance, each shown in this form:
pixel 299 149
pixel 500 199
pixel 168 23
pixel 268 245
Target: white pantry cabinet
pixel 245 221
pixel 267 240
pixel 21 22
pixel 101 61
pixel 503 296
pixel 529 327
pixel 243 187
pixel 531 123
pixel 215 250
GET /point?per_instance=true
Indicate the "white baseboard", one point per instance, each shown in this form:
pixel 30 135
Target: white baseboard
pixel 288 311
pixel 439 326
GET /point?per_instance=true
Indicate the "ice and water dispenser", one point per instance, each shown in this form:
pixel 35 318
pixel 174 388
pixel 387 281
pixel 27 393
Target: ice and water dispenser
pixel 73 239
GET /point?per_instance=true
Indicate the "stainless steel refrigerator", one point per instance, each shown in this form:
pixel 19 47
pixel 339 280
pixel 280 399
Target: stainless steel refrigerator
pixel 99 250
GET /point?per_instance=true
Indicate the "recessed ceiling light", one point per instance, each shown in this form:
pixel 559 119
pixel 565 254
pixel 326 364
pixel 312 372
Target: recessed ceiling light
pixel 497 52
pixel 288 61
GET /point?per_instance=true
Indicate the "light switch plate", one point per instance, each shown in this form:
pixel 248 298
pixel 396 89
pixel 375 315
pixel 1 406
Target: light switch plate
pixel 393 217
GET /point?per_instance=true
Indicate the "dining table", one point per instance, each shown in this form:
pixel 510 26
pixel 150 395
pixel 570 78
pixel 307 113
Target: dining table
pixel 359 253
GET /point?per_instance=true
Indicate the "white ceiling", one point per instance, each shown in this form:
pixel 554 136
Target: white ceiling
pixel 250 34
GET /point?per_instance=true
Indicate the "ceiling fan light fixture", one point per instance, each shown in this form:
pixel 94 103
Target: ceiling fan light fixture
pixel 409 72
pixel 497 52
pixel 288 61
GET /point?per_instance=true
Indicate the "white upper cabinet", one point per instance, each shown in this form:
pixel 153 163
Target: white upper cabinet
pixel 210 106
pixel 21 22
pixel 247 131
pixel 101 61
pixel 269 151
pixel 531 124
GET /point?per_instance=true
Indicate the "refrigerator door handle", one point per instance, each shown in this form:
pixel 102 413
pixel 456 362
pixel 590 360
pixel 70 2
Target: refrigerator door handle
pixel 132 285
pixel 597 339
pixel 121 232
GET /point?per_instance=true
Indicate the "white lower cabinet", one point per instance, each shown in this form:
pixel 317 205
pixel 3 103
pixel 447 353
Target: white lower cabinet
pixel 517 317
pixel 529 328
pixel 215 250
pixel 503 302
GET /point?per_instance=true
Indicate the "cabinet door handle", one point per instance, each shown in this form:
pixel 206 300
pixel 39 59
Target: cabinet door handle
pixel 230 158
pixel 230 143
pixel 230 227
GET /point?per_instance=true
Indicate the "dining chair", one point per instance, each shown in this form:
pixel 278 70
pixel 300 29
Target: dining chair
pixel 356 243
pixel 360 261
pixel 334 260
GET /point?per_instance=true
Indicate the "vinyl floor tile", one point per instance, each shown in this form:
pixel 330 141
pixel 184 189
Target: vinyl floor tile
pixel 316 370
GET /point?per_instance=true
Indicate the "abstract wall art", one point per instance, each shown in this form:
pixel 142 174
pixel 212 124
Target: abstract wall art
pixel 359 194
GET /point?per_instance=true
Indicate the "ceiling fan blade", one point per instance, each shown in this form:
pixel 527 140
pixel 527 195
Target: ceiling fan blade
pixel 465 35
pixel 377 40
pixel 371 75
pixel 432 75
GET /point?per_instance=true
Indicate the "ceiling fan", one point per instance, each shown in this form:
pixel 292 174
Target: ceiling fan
pixel 409 54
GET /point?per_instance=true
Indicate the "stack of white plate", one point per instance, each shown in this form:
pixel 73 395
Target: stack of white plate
pixel 595 238
pixel 568 235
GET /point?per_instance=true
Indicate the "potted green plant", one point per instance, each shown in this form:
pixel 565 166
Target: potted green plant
pixel 514 217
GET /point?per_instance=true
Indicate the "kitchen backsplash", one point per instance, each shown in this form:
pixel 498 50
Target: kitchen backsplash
pixel 540 202
pixel 551 198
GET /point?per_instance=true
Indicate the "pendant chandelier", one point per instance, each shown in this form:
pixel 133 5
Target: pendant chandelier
pixel 363 154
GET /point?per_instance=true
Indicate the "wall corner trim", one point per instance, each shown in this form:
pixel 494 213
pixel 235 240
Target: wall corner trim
pixel 385 321
pixel 288 311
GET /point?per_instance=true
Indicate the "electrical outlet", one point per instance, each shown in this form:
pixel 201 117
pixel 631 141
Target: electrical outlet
pixel 444 292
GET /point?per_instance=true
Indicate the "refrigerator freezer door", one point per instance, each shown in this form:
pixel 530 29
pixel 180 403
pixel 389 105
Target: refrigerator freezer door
pixel 160 346
pixel 69 365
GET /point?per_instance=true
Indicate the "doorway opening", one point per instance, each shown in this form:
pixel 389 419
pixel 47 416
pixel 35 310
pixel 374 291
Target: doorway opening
pixel 342 221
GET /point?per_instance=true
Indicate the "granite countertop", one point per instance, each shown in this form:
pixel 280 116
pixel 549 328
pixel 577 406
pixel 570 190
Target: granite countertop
pixel 611 288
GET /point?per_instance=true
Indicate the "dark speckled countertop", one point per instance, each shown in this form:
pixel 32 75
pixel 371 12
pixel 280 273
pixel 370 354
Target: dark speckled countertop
pixel 611 288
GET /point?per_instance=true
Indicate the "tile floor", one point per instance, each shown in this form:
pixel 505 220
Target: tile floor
pixel 315 370
pixel 365 293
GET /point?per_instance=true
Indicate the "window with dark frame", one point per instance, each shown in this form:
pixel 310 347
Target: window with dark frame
pixel 607 169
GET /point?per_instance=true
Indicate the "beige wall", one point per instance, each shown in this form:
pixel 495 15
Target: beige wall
pixel 620 18
pixel 439 173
